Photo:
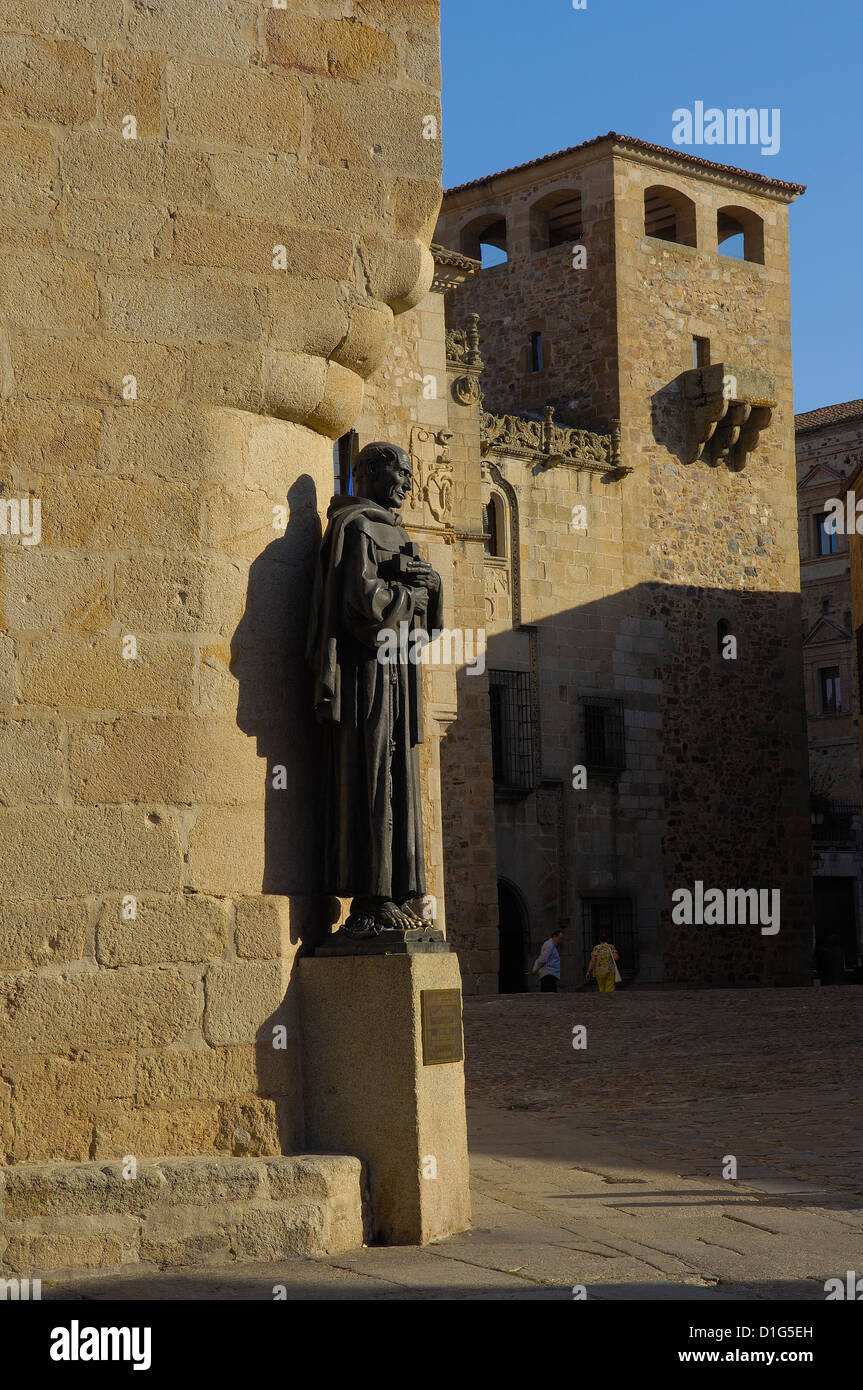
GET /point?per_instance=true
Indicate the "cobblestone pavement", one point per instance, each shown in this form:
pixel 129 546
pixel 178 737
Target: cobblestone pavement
pixel 770 1076
pixel 602 1168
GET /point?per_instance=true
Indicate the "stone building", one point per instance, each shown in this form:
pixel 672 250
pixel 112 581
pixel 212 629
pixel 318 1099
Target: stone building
pixel 216 281
pixel 212 213
pixel 641 569
pixel 829 449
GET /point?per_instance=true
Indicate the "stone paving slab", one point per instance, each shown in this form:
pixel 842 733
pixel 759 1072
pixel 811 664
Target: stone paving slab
pixel 608 1174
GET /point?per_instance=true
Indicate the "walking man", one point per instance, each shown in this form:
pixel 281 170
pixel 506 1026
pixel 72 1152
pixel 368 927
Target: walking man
pixel 547 963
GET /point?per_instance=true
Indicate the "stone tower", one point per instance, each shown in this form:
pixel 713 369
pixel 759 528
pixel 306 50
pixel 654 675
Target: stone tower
pixel 632 561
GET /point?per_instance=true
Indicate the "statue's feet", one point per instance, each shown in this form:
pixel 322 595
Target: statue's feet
pixel 362 922
pixel 395 918
pixel 422 910
pixel 371 916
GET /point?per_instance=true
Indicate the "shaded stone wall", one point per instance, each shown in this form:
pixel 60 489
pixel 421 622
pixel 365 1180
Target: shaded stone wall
pixel 187 321
pixel 562 845
pixel 826 457
pixel 470 858
pixel 855 556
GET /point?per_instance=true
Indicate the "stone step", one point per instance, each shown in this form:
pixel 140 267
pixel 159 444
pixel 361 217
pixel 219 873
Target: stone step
pixel 65 1219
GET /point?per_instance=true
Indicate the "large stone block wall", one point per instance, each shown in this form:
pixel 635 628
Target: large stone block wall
pixel 187 321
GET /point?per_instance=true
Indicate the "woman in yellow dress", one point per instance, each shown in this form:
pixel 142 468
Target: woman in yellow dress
pixel 602 965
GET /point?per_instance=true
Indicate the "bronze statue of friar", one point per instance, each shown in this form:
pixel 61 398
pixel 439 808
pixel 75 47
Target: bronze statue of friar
pixel 371 588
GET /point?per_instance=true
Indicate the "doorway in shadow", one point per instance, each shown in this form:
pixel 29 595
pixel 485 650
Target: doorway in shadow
pixel 835 929
pixel 513 937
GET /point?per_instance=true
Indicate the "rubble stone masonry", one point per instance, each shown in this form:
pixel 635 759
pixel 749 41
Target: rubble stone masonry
pixel 695 539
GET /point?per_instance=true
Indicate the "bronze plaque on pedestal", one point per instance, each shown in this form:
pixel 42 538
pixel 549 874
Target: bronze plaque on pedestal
pixel 441 1026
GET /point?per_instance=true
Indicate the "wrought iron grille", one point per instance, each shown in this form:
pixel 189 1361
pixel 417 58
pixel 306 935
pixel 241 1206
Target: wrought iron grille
pixel 833 821
pixel 513 742
pixel 604 738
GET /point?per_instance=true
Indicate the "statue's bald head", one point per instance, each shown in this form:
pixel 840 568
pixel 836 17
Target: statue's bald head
pixel 382 472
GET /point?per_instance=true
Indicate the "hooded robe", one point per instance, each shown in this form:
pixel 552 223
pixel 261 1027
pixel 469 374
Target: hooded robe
pixel 372 813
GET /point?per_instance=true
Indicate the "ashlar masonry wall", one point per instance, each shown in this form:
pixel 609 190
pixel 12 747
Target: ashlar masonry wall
pixel 211 212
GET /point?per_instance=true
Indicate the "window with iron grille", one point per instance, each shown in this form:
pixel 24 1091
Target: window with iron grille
pixel 513 743
pixel 604 740
pixel 613 918
pixel 833 821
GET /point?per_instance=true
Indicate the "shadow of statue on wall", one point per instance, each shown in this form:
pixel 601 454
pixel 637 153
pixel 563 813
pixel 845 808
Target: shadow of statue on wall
pixel 275 707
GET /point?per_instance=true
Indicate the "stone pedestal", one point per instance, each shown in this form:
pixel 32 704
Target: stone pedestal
pixel 373 1088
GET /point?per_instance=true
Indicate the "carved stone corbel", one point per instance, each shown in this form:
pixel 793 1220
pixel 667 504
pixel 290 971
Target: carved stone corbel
pixel 727 410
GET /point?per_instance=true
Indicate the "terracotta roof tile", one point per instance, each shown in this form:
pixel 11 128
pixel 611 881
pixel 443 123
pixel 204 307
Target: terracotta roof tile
pixel 444 256
pixel 828 415
pixel 637 145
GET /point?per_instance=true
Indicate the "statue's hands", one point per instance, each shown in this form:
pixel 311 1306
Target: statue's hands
pixel 420 573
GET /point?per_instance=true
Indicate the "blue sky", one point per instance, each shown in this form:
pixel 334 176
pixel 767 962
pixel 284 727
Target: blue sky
pixel 525 77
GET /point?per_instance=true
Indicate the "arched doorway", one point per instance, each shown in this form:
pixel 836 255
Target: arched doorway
pixel 513 939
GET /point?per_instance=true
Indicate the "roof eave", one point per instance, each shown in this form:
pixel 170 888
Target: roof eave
pixel 657 154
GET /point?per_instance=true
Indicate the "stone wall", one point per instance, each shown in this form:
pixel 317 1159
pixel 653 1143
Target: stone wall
pixel 718 543
pixel 211 214
pixel 855 556
pixel 541 291
pixel 826 456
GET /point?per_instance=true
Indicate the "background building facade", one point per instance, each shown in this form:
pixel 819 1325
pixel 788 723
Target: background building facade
pixel 829 446
pixel 623 558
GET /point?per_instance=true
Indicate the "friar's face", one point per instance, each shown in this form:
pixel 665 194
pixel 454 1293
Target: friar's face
pixel 389 482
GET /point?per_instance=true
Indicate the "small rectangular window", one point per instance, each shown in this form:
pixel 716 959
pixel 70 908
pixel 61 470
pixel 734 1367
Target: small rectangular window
pixel 826 541
pixel 536 352
pixel 831 696
pixel 604 740
pixel 701 352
